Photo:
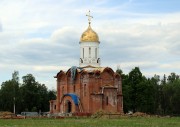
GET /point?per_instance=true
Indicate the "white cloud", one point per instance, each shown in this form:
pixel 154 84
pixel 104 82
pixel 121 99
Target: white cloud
pixel 171 66
pixel 42 37
pixel 50 68
pixel 0 27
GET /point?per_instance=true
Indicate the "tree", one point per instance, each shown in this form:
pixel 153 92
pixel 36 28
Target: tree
pixel 135 78
pixel 7 95
pixel 15 76
pixel 176 97
pixel 15 80
pixel 150 95
pixel 52 95
pixel 126 89
pixel 43 104
pixel 153 94
pixel 172 77
pixel 29 92
pixel 30 96
pixel 34 94
pixel 170 94
pixel 139 93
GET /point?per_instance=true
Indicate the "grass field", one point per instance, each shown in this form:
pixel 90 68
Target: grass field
pixel 89 122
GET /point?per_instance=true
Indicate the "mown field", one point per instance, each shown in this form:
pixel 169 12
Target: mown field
pixel 89 122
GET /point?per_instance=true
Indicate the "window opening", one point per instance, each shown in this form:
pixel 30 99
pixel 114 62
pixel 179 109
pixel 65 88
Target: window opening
pixel 89 52
pixel 114 100
pixel 96 53
pixel 68 107
pixel 107 100
pixel 83 52
pixel 74 88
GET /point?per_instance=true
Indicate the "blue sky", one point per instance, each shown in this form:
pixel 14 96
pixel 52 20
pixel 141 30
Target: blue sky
pixel 41 37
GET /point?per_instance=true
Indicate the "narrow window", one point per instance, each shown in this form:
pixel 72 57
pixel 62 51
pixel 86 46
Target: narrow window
pixel 89 52
pixel 83 52
pixel 81 60
pixel 74 88
pixel 54 106
pixel 107 100
pixel 114 100
pixel 96 53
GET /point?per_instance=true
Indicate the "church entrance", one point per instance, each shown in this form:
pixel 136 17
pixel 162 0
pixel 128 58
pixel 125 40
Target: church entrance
pixel 68 106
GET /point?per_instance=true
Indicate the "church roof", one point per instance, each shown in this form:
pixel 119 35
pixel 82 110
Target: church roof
pixel 89 35
pixel 87 69
pixel 95 69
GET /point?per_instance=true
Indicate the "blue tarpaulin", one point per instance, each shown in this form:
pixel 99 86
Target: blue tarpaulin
pixel 73 72
pixel 74 97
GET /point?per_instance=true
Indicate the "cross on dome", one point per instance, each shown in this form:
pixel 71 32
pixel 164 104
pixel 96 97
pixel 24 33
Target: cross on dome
pixel 89 35
pixel 89 17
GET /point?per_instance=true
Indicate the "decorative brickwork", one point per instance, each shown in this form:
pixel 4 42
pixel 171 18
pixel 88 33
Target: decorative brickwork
pixel 93 89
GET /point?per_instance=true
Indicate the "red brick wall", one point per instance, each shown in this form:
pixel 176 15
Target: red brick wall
pixel 96 102
pixel 88 86
pixel 110 100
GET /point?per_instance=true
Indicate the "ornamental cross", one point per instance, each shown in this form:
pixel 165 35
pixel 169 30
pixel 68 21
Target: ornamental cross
pixel 89 17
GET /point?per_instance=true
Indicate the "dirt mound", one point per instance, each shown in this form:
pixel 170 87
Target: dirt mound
pixel 137 114
pixel 6 115
pixel 98 114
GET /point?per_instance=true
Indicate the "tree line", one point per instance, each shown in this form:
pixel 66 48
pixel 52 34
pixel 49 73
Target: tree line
pixel 153 95
pixel 28 96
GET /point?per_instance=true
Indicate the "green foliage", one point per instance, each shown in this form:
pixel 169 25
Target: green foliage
pixel 52 95
pixel 150 95
pixel 171 95
pixel 15 76
pixel 126 90
pixel 7 95
pixel 135 79
pixel 30 96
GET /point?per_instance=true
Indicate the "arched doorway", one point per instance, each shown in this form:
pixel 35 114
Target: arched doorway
pixel 68 106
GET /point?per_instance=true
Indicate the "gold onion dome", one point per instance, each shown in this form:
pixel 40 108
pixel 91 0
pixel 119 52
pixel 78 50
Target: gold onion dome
pixel 89 35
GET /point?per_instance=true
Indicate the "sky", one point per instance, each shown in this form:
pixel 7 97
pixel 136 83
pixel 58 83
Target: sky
pixel 41 37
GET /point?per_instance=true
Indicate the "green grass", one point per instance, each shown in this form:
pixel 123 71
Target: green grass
pixel 89 122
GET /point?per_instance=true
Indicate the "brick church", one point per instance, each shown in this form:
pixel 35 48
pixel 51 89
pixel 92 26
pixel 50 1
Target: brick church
pixel 88 88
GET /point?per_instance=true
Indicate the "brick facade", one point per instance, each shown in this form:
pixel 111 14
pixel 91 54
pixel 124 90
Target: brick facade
pixel 88 90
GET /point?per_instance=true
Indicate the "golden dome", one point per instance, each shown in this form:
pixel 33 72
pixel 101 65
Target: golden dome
pixel 89 36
